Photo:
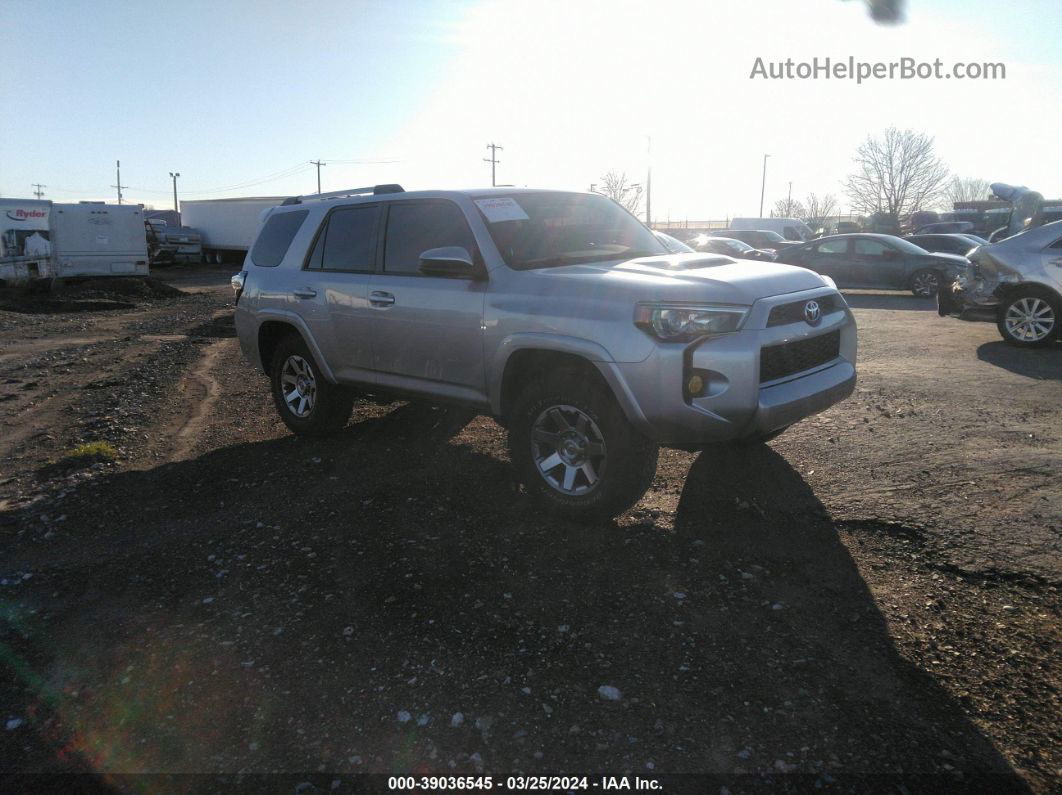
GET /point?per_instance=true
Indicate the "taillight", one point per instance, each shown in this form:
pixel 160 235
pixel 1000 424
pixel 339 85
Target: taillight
pixel 237 282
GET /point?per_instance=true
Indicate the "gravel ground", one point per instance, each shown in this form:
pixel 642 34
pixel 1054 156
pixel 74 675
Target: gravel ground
pixel 870 599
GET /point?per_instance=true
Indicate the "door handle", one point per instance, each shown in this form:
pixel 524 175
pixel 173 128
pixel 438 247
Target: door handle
pixel 379 298
pixel 304 292
pixel 1056 261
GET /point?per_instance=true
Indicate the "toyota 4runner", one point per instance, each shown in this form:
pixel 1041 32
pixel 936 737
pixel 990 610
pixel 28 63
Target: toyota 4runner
pixel 559 314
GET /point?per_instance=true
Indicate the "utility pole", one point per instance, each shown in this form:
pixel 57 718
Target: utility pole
pixel 763 184
pixel 118 166
pixel 493 160
pixel 173 176
pixel 318 163
pixel 38 192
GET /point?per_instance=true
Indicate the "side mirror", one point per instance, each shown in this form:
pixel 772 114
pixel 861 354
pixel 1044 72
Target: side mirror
pixel 453 262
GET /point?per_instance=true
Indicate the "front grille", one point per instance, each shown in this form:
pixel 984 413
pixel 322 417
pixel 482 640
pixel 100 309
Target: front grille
pixel 794 312
pixel 778 361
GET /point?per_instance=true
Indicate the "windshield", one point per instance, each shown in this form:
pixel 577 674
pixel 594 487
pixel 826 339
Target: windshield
pixel 906 246
pixel 673 244
pixel 735 245
pixel 542 230
pixel 772 237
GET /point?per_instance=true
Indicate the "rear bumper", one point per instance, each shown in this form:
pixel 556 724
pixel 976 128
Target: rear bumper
pixel 735 403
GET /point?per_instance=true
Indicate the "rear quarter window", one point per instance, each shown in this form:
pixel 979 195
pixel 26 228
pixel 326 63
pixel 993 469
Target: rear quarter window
pixel 275 238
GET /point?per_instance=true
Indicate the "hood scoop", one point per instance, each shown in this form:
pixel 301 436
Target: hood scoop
pixel 677 262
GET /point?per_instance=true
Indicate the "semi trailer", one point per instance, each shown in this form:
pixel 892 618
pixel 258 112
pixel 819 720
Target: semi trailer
pixel 227 227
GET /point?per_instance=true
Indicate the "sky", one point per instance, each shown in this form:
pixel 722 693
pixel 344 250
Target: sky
pixel 239 96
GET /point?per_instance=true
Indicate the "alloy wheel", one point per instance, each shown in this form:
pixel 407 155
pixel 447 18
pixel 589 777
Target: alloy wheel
pixel 926 284
pixel 568 450
pixel 1029 319
pixel 298 385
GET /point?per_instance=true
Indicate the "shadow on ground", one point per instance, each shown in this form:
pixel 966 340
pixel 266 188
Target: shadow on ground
pixel 387 601
pixel 1042 363
pixel 888 300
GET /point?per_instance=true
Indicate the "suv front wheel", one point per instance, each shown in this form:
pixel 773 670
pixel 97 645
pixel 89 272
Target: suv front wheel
pixel 574 449
pixel 306 402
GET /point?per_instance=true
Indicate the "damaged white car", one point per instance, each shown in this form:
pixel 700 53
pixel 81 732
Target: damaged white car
pixel 1017 283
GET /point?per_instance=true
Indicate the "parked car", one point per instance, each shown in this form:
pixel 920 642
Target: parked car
pixel 847 228
pixel 945 228
pixel 788 228
pixel 876 261
pixel 730 247
pixel 763 239
pixel 1017 283
pixel 168 244
pixel 559 314
pixel 673 244
pixel 945 244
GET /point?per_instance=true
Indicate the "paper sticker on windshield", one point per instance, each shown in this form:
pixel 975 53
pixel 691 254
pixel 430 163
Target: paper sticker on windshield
pixel 505 209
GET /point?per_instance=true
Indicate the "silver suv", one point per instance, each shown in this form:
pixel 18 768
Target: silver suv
pixel 559 314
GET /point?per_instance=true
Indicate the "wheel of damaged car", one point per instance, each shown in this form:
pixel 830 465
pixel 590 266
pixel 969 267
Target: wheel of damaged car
pixel 1029 318
pixel 575 450
pixel 307 403
pixel 925 283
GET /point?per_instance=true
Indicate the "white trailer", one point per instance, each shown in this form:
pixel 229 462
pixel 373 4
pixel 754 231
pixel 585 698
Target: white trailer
pixel 227 226
pixel 25 241
pixel 46 240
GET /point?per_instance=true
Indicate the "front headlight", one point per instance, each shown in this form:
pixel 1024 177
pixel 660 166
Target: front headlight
pixel 829 282
pixel 684 323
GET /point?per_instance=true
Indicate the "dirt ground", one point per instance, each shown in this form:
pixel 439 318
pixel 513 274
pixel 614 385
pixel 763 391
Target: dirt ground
pixel 871 600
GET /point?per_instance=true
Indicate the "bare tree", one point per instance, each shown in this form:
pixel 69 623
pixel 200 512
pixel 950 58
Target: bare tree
pixel 620 189
pixel 788 208
pixel 818 209
pixel 967 189
pixel 896 173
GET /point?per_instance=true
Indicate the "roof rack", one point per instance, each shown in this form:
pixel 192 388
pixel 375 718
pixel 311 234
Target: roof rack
pixel 342 194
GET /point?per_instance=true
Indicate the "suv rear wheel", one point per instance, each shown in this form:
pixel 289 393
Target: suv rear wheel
pixel 1029 318
pixel 573 448
pixel 305 401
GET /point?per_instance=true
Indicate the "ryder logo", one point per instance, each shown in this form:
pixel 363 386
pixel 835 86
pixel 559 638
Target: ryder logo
pixel 25 215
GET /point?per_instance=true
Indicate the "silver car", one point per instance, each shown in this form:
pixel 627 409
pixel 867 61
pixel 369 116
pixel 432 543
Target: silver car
pixel 1016 282
pixel 559 314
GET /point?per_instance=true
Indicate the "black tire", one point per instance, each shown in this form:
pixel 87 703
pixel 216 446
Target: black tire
pixel 946 303
pixel 624 471
pixel 925 283
pixel 1046 307
pixel 330 407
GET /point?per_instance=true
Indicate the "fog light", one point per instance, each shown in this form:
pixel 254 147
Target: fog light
pixel 694 386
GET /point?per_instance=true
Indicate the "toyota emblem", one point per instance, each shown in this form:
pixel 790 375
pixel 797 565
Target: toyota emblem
pixel 812 312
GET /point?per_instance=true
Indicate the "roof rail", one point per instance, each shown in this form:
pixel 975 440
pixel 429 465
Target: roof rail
pixel 341 194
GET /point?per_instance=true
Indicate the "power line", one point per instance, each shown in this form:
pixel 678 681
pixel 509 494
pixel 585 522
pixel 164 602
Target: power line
pixel 493 160
pixel 38 192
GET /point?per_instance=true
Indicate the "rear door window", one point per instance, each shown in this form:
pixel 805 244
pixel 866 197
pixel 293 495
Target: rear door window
pixel 275 238
pixel 414 227
pixel 348 242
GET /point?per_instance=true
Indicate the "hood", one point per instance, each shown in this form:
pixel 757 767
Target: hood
pixel 691 277
pixel 951 259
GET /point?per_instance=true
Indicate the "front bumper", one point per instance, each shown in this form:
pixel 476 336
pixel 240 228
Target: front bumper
pixel 735 403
